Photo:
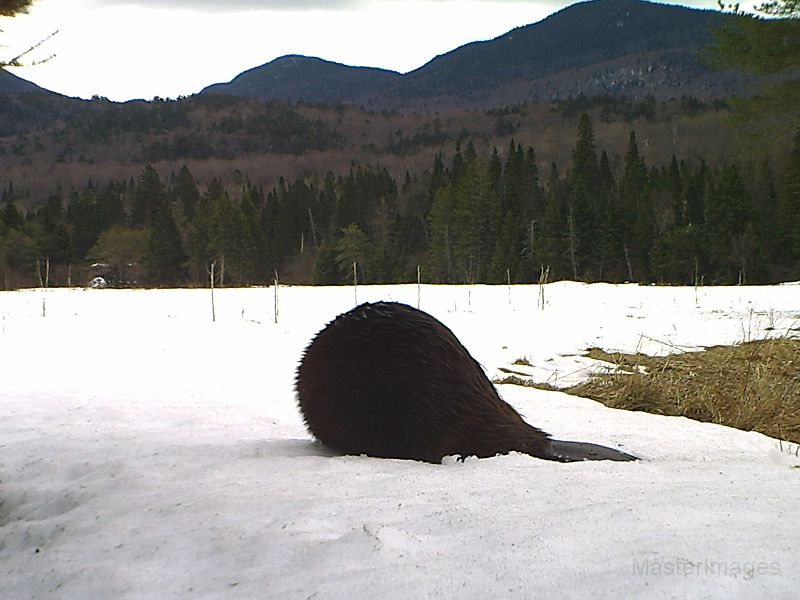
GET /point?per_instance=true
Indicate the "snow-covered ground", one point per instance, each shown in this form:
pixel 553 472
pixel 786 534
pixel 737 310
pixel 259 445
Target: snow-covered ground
pixel 148 452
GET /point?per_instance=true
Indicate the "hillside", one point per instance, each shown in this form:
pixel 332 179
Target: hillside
pixel 667 193
pixel 305 79
pixel 619 47
pixel 12 84
pixel 47 141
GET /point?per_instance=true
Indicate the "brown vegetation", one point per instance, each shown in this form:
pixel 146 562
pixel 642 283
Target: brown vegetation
pixel 70 157
pixel 753 386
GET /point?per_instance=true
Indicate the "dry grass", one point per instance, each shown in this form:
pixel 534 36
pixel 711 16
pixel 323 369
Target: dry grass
pixel 751 386
pixel 522 379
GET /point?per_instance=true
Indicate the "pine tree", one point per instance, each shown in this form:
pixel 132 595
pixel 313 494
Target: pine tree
pixel 584 184
pixel 185 191
pixel 680 209
pixel 148 197
pixel 767 224
pixel 123 249
pixel 505 258
pixel 674 257
pixel 442 234
pixel 83 220
pixel 764 45
pixel 251 243
pixel 727 218
pixel 326 269
pixel 636 218
pixel 325 213
pixel 164 259
pixel 473 228
pixel 10 8
pixel 353 247
pixel 11 216
pixel 225 235
pixel 789 210
pixel 608 235
pixel 553 238
pixel 52 236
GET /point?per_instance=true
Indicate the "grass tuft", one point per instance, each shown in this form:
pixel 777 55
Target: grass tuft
pixel 753 386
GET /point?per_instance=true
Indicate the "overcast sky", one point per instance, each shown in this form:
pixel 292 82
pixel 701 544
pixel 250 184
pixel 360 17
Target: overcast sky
pixel 124 49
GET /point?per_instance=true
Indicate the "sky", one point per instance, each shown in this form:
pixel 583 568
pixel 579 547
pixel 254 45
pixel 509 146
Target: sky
pixel 128 49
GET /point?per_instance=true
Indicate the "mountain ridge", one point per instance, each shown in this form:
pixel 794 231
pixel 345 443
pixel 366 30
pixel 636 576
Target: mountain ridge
pixel 319 80
pixel 631 48
pixel 10 83
pixel 616 47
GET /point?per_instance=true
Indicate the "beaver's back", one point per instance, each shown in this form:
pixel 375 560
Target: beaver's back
pixel 389 380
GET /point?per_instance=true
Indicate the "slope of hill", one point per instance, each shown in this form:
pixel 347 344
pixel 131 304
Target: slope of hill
pixel 617 47
pixel 620 47
pixel 306 79
pixel 10 83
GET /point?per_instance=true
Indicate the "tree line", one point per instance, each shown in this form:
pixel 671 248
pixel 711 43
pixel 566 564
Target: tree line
pixel 471 218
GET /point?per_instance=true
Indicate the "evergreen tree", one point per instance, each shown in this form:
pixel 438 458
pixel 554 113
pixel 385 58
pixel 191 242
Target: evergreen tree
pixel 553 238
pixel 472 225
pixel 11 216
pixel 696 193
pixel 766 223
pixel 251 243
pixel 680 209
pixel 788 212
pixel 225 235
pixel 164 258
pixel 608 235
pixel 10 8
pixel 511 215
pixel 727 219
pixel 413 220
pixel 197 237
pixel 674 256
pixel 326 269
pixel 52 236
pixel 18 251
pixel 353 247
pixel 530 219
pixel 325 213
pixel 505 259
pixel 123 249
pixel 442 234
pixel 89 213
pixel 149 197
pixel 185 191
pixel 764 46
pixel 636 218
pixel 582 217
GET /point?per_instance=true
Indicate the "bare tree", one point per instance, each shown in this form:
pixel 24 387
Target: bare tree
pixel 12 8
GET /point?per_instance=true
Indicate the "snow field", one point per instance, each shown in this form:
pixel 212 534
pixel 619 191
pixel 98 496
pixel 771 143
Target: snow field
pixel 146 452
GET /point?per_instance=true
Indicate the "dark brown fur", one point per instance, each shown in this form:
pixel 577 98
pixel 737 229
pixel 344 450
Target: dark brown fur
pixel 389 380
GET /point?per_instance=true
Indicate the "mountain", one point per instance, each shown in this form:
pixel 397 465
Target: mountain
pixel 616 47
pixel 12 84
pixel 620 47
pixel 306 79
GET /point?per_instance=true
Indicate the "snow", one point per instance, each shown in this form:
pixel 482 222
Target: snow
pixel 148 452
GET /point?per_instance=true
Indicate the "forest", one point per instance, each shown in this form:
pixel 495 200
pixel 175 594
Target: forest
pixel 468 217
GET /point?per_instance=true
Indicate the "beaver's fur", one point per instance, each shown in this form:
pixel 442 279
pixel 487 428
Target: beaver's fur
pixel 388 380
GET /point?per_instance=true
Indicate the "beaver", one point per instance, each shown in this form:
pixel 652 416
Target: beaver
pixel 388 380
